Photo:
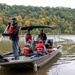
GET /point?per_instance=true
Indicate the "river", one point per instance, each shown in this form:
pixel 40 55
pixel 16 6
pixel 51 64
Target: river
pixel 62 64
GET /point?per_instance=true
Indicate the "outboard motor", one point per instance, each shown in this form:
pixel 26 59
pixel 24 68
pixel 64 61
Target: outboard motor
pixel 49 43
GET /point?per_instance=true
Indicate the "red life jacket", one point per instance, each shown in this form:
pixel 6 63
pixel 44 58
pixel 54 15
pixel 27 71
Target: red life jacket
pixel 28 37
pixel 10 30
pixel 26 50
pixel 40 47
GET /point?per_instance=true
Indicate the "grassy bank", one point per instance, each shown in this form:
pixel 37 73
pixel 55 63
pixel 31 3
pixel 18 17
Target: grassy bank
pixel 6 46
pixel 68 46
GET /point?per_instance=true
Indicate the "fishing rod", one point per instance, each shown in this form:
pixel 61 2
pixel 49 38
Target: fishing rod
pixel 4 32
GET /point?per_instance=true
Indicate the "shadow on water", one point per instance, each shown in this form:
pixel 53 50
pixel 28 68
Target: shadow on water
pixel 41 71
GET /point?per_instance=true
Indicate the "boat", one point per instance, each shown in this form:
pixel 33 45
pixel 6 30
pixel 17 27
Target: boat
pixel 7 61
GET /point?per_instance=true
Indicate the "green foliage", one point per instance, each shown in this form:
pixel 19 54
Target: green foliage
pixel 63 18
pixel 1 29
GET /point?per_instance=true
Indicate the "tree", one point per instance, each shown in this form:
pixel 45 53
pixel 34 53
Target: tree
pixel 27 23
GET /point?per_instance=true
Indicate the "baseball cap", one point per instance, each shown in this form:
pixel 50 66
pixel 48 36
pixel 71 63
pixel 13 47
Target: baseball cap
pixel 14 19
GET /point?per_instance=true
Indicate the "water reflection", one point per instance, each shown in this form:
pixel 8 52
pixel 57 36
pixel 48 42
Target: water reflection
pixel 64 66
pixel 64 69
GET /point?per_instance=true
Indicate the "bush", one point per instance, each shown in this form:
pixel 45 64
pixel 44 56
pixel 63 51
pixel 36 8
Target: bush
pixel 1 29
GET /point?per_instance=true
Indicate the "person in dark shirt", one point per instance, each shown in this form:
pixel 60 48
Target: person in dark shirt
pixel 13 33
pixel 42 36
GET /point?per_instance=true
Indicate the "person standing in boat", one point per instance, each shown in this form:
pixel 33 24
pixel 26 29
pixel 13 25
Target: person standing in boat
pixel 10 30
pixel 42 36
pixel 27 37
pixel 13 33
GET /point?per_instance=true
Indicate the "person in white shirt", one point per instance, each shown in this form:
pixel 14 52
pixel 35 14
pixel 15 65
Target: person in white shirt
pixel 27 37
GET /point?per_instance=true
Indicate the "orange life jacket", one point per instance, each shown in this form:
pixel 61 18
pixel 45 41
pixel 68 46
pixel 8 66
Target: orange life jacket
pixel 26 50
pixel 10 30
pixel 49 51
pixel 40 47
pixel 28 37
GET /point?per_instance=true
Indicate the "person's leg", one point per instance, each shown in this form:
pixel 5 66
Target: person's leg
pixel 19 48
pixel 15 48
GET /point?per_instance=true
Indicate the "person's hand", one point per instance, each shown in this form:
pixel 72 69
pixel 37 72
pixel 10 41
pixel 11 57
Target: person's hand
pixel 3 34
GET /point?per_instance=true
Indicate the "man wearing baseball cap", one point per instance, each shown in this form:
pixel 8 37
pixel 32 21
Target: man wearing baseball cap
pixel 13 32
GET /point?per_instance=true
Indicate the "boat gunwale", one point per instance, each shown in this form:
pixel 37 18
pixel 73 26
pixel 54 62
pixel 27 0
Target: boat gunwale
pixel 32 60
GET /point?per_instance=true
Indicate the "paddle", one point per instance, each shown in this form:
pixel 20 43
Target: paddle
pixel 4 32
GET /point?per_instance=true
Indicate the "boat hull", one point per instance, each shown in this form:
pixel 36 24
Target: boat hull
pixel 28 62
pixel 43 60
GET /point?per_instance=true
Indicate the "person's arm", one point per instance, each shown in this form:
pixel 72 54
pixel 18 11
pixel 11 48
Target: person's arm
pixel 45 50
pixel 15 30
pixel 45 37
pixel 32 49
pixel 5 34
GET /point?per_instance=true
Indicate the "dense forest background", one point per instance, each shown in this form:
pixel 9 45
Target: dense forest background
pixel 63 18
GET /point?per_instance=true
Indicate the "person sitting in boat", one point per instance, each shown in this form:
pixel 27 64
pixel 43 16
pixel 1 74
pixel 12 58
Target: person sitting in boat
pixel 40 48
pixel 28 49
pixel 42 36
pixel 27 37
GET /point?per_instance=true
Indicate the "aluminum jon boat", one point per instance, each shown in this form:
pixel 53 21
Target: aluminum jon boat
pixel 34 61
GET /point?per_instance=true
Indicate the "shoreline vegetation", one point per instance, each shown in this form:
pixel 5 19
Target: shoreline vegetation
pixel 61 17
pixel 6 46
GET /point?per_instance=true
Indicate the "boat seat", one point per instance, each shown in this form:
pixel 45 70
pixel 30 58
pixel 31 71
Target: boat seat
pixel 1 56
